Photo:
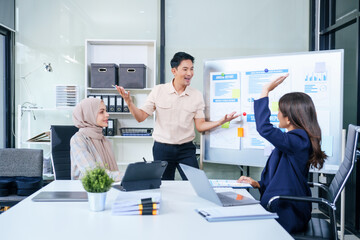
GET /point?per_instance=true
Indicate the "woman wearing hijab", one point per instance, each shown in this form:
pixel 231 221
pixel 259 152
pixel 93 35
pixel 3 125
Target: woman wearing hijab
pixel 89 147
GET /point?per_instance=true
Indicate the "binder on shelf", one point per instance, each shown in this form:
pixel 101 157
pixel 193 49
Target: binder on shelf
pixel 248 212
pixel 112 104
pixel 91 96
pixel 125 106
pixel 105 99
pixel 97 96
pixel 119 104
pixel 104 131
pixel 111 127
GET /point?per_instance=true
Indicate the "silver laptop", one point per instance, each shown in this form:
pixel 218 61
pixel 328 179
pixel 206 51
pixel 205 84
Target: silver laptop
pixel 63 196
pixel 203 189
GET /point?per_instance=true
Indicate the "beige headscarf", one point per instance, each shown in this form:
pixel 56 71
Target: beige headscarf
pixel 84 118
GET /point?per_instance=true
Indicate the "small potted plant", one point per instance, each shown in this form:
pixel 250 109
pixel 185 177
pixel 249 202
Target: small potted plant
pixel 97 183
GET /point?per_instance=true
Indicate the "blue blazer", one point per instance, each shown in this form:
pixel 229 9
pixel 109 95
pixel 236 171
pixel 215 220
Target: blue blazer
pixel 286 171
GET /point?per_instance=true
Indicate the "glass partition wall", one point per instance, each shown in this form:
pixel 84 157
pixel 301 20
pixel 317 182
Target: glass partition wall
pixel 2 92
pixel 55 31
pixel 233 28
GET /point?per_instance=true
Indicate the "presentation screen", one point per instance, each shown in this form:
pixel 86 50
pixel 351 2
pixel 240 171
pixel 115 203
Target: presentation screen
pixel 233 85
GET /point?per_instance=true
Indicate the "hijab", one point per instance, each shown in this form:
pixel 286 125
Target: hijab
pixel 84 117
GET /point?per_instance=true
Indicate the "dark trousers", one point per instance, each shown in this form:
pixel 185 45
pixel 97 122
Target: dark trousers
pixel 174 154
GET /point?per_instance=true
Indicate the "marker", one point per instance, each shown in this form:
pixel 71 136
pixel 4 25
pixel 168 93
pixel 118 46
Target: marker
pixel 144 159
pixel 116 88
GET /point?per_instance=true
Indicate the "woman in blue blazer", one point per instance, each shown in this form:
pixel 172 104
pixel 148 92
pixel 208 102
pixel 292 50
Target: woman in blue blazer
pixel 286 170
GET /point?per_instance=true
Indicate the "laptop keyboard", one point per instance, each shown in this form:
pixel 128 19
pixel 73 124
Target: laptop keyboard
pixel 225 199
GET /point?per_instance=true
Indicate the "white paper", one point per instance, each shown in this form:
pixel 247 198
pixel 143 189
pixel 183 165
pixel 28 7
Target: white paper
pixel 224 183
pixel 225 137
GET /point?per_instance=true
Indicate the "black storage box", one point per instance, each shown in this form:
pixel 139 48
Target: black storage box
pixel 103 75
pixel 132 75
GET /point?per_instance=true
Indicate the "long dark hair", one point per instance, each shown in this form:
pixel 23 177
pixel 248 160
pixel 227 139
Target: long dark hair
pixel 300 110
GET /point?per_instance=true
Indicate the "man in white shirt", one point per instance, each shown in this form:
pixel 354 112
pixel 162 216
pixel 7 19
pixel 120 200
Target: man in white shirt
pixel 178 106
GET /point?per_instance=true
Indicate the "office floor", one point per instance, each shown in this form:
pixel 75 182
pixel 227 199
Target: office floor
pixel 350 237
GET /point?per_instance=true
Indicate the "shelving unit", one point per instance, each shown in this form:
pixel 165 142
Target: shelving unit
pixel 126 148
pixel 34 120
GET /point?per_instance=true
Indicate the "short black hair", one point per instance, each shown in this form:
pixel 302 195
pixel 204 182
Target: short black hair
pixel 179 57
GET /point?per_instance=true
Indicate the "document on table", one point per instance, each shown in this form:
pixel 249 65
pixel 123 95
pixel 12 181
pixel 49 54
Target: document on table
pixel 248 212
pixel 222 183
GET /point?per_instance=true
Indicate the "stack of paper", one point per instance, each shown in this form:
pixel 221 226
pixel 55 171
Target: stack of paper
pixel 135 203
pixel 67 96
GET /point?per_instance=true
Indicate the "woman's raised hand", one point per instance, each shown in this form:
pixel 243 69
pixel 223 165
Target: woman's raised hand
pixel 272 85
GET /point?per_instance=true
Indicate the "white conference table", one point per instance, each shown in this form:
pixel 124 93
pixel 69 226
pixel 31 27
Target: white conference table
pixel 177 219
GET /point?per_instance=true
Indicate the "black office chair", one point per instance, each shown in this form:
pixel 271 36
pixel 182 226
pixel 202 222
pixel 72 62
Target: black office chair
pixel 320 228
pixel 60 148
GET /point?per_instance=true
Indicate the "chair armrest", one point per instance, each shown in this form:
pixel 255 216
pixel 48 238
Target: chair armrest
pixel 320 185
pixel 300 199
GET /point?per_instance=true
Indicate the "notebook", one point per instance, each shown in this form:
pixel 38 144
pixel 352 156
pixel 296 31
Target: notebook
pixel 203 189
pixel 219 214
pixel 64 196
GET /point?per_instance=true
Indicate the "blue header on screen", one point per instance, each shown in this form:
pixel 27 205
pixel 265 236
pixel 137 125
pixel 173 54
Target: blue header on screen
pixel 224 77
pixel 251 118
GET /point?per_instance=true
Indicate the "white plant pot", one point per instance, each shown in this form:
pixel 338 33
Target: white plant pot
pixel 97 201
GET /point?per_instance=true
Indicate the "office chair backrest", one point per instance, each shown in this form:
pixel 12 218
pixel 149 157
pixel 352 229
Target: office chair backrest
pixel 60 147
pixel 21 162
pixel 338 183
pixel 21 173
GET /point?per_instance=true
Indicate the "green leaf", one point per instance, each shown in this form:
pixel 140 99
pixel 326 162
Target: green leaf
pixel 97 180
